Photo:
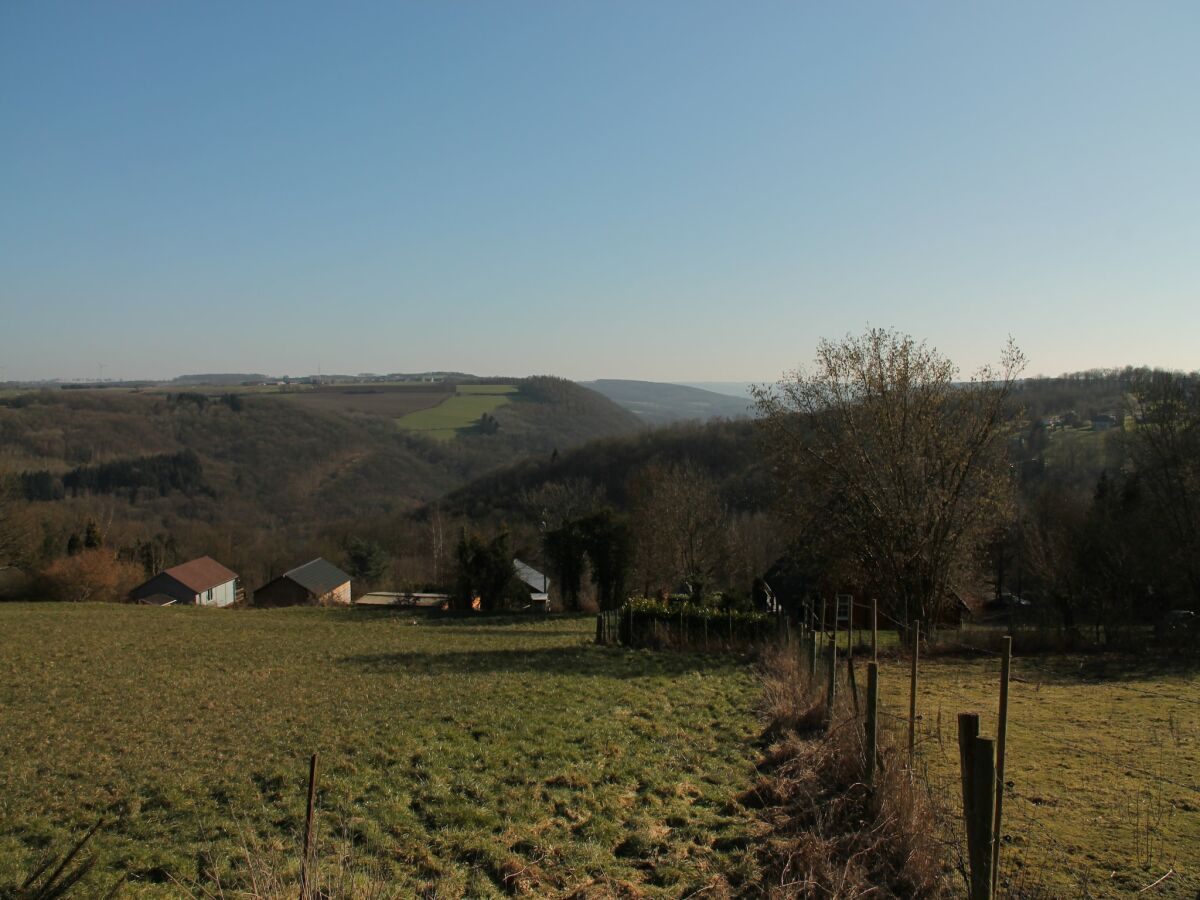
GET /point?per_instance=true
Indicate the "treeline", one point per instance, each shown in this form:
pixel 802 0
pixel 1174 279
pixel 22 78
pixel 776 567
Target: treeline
pixel 1123 551
pixel 158 475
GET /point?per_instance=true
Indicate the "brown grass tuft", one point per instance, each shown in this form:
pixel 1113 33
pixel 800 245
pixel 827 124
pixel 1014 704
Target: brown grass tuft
pixel 830 835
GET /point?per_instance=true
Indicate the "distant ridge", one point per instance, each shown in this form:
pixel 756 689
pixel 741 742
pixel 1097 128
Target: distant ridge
pixel 660 403
pixel 732 388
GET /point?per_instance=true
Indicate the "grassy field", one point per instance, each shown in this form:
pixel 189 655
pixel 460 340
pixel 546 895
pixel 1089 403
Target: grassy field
pixel 381 400
pixel 1103 757
pixel 458 411
pixel 458 758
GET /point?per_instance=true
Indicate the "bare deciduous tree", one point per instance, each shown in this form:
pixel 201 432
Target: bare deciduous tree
pixel 680 527
pixel 896 468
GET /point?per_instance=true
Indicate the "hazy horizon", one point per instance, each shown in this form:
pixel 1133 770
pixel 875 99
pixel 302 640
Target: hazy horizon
pixel 668 193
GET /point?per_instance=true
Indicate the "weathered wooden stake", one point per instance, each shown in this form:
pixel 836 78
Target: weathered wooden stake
pixel 912 693
pixel 853 683
pixel 875 630
pixel 812 656
pixel 831 690
pixel 822 618
pixel 977 763
pixel 872 719
pixel 1001 738
pixel 983 786
pixel 310 828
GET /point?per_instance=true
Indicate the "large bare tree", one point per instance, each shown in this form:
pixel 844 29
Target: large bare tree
pixel 890 463
pixel 680 527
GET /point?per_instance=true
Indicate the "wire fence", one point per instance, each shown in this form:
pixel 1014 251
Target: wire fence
pixel 1101 793
pixel 1100 797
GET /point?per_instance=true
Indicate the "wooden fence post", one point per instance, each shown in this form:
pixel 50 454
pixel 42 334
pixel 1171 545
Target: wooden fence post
pixel 872 720
pixel 831 690
pixel 875 630
pixel 977 762
pixel 1001 738
pixel 310 824
pixel 912 693
pixel 600 628
pixel 851 680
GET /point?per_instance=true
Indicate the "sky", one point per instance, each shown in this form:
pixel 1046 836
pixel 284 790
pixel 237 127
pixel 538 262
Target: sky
pixel 664 191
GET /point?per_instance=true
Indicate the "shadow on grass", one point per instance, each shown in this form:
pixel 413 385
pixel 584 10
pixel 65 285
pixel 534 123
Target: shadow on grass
pixel 582 660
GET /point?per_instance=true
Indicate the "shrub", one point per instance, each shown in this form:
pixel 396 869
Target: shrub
pixel 91 575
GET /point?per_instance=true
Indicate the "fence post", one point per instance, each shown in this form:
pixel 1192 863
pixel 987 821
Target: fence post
pixel 853 683
pixel 851 679
pixel 912 693
pixel 309 827
pixel 1001 738
pixel 872 719
pixel 831 690
pixel 812 655
pixel 600 628
pixel 875 629
pixel 977 762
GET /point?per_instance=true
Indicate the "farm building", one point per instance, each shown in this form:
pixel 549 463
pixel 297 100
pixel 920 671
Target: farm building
pixel 316 583
pixel 538 584
pixel 200 582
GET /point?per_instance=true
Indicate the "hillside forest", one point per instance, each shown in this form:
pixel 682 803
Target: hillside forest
pixel 1093 526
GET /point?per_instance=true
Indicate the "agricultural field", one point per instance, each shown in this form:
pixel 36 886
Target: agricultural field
pixel 457 757
pixel 458 411
pixel 393 401
pixel 1103 759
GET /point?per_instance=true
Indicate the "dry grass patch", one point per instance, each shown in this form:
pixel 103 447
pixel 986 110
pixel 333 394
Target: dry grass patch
pixel 830 834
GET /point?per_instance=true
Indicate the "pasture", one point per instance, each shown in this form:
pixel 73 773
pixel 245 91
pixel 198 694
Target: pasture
pixel 1103 760
pixel 393 401
pixel 458 757
pixel 458 411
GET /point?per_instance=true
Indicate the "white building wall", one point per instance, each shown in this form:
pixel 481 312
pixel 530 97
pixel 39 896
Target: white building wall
pixel 221 595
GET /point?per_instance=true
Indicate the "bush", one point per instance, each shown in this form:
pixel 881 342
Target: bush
pixel 90 576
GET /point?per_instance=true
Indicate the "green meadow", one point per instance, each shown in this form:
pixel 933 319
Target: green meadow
pixel 457 757
pixel 459 410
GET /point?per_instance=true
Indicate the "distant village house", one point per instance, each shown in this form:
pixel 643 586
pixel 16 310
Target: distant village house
pixel 200 582
pixel 316 583
pixel 538 584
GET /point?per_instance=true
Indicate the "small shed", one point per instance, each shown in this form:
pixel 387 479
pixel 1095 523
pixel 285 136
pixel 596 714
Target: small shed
pixel 538 584
pixel 316 583
pixel 198 582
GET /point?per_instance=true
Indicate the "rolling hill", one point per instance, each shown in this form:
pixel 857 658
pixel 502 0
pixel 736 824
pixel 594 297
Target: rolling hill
pixel 253 476
pixel 659 403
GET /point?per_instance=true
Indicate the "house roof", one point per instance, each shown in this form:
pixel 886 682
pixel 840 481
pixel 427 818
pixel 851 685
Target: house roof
pixel 318 576
pixel 201 574
pixel 531 576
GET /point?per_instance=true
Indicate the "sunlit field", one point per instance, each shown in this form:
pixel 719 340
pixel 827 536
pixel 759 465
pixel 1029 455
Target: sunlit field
pixel 457 757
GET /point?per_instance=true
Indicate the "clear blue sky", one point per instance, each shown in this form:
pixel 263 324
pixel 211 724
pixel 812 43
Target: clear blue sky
pixel 656 190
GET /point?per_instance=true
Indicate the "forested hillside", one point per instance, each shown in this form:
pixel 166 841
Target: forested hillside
pixel 250 478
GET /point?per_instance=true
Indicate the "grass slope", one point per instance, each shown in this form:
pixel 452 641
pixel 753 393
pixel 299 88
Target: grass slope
pixel 453 754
